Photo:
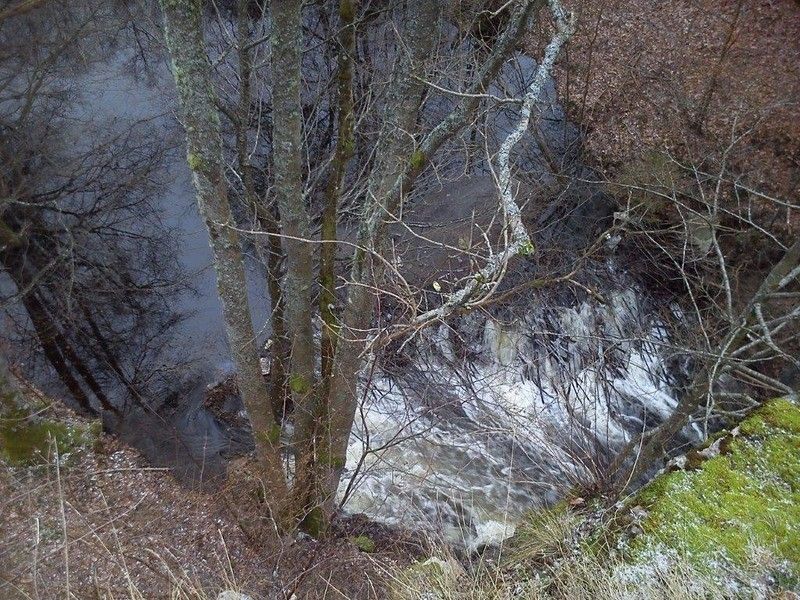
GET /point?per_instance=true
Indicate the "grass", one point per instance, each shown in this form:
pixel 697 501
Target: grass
pixel 727 528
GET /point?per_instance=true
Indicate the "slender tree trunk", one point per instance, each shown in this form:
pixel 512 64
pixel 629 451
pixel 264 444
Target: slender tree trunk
pixel 343 153
pixel 396 150
pixel 312 428
pixel 266 219
pixel 287 46
pixel 281 348
pixel 192 73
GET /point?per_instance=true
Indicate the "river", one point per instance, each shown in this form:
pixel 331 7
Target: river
pixel 492 415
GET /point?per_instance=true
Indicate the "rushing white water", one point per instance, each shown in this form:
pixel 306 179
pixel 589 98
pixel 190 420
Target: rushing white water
pixel 466 445
pixel 488 419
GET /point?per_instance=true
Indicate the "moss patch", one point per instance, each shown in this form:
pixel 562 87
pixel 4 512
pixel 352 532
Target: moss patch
pixel 28 440
pixel 298 383
pixel 29 431
pixel 417 160
pixel 745 498
pixel 364 543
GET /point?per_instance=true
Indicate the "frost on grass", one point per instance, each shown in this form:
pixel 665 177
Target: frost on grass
pixel 737 512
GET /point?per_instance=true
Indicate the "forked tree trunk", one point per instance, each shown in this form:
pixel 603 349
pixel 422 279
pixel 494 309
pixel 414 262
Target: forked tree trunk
pixel 192 71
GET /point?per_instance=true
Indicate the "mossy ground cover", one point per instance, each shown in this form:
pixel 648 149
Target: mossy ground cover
pixel 28 440
pixel 29 434
pixel 741 502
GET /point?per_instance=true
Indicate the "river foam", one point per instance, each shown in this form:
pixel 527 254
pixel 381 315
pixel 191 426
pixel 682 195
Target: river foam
pixel 493 419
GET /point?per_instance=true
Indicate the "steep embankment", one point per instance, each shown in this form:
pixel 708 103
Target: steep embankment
pixel 721 522
pixel 732 507
pixel 84 516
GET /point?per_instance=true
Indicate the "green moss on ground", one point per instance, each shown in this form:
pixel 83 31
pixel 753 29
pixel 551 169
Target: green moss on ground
pixel 364 543
pixel 28 434
pixel 26 440
pixel 747 498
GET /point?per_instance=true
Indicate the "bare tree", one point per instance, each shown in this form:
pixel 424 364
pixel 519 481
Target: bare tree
pixel 325 401
pixel 204 148
pixel 737 263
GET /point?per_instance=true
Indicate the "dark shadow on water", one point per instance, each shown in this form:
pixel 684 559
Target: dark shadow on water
pixel 185 436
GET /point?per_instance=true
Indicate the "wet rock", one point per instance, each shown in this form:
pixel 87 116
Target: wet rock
pixel 223 401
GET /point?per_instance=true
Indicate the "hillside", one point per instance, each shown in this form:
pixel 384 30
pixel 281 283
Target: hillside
pixel 84 515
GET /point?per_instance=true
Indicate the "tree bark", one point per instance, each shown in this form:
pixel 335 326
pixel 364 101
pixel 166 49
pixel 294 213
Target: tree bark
pixel 312 426
pixel 266 218
pixel 287 145
pixel 396 149
pixel 192 71
pixel 287 46
pixel 343 153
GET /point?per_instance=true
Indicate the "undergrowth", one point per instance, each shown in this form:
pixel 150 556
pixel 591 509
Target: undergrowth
pixel 729 527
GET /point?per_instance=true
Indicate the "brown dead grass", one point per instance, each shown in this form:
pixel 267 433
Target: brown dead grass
pixel 105 525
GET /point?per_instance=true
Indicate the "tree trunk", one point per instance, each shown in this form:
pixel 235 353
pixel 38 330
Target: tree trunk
pixel 266 219
pixel 312 427
pixel 281 349
pixel 192 71
pixel 344 151
pixel 287 45
pixel 396 148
